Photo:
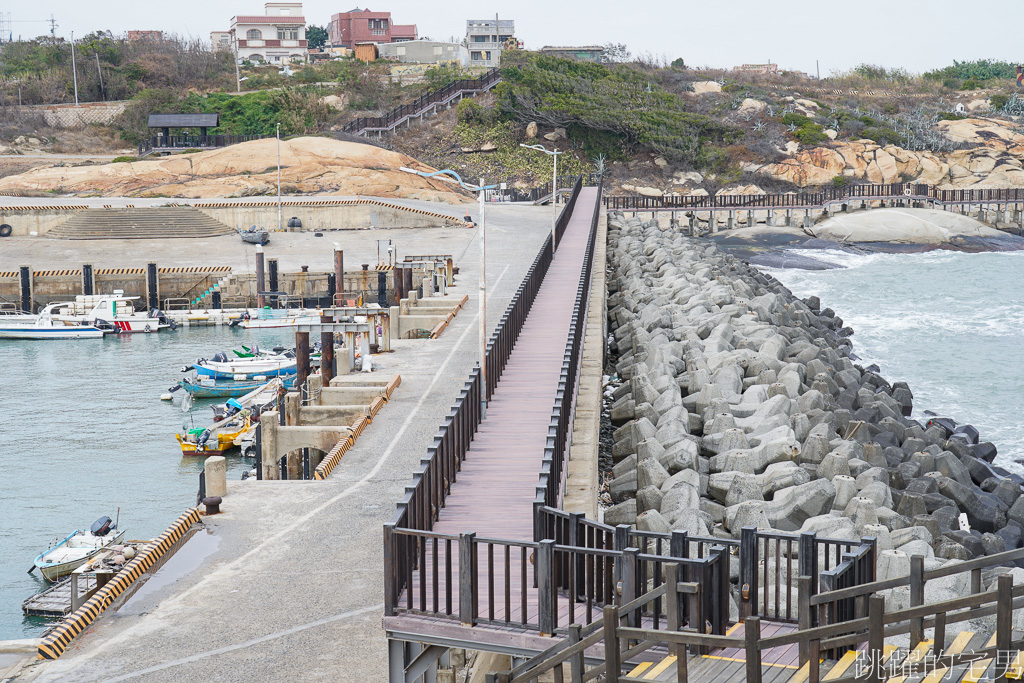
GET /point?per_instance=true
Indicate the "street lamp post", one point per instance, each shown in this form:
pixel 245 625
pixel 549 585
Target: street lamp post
pixel 453 177
pixel 553 153
pixel 279 224
pixel 74 68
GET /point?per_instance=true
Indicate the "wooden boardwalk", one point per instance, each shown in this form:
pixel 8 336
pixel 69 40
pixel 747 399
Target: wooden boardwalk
pixel 494 493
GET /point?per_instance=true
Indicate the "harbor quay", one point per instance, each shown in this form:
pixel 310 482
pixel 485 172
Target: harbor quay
pixel 290 568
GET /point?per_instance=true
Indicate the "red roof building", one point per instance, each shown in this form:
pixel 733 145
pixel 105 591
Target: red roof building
pixel 365 26
pixel 276 37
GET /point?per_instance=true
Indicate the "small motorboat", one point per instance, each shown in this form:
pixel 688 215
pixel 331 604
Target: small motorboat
pixel 254 236
pixel 233 421
pixel 77 549
pixel 44 326
pixel 114 311
pixel 208 387
pixel 240 369
pixel 279 317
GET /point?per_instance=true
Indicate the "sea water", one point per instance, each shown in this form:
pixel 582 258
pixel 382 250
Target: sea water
pixel 950 324
pixel 83 432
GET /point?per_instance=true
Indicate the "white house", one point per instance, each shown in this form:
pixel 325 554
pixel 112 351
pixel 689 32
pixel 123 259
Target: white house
pixel 278 36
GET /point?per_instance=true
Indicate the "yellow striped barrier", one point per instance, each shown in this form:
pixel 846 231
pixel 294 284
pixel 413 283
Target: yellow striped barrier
pixel 57 641
pixel 334 456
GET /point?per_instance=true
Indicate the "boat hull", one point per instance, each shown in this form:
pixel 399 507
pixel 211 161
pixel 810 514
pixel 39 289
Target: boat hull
pixel 232 390
pixel 56 571
pixel 248 370
pixel 31 332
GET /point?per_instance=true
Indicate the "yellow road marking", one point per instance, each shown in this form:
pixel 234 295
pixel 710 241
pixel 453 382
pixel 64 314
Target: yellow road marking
pixel 920 651
pixel 736 659
pixel 640 668
pixel 1016 669
pixel 733 628
pixel 660 668
pixel 841 666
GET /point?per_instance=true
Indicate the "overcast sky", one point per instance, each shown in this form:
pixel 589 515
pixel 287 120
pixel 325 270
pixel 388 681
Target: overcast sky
pixel 913 34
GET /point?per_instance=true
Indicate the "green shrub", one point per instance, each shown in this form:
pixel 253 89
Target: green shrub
pixel 970 84
pixel 798 120
pixel 951 116
pixel 951 83
pixel 998 101
pixel 881 135
pixel 118 160
pixel 840 181
pixel 810 135
pixel 469 112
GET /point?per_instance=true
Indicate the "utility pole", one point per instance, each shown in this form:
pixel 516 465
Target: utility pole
pixel 103 93
pixel 74 69
pixel 279 223
pixel 53 30
pixel 817 67
pixel 238 76
pixel 483 297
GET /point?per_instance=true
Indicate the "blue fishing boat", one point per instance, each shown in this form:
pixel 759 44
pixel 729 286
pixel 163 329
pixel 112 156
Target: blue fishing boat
pixel 241 369
pixel 203 388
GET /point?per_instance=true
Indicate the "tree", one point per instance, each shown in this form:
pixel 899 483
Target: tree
pixel 678 63
pixel 616 52
pixel 316 37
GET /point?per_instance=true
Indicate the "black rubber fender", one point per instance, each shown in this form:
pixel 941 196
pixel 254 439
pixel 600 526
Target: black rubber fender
pixel 6 230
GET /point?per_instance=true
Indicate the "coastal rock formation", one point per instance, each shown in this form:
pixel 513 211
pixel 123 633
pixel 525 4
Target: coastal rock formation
pixel 308 166
pixel 905 226
pixel 994 158
pixel 741 405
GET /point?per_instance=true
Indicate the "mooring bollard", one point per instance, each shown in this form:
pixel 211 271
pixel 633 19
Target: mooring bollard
pixel 216 476
pixel 212 504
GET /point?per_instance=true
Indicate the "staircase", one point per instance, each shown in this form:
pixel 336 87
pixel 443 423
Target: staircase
pixel 205 298
pixel 149 223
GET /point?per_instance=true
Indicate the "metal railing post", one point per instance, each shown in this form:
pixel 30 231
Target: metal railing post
pixel 546 590
pixel 467 579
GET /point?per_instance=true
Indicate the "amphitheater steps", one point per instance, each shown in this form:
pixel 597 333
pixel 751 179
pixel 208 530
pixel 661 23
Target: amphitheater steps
pixel 147 223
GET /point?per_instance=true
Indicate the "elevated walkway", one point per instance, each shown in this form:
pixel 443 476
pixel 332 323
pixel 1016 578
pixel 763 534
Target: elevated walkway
pixel 144 223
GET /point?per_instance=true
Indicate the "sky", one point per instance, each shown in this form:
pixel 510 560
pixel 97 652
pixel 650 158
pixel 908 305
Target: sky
pixel 917 35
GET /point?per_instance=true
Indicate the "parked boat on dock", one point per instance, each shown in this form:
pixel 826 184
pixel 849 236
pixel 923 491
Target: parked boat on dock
pixel 268 318
pixel 221 366
pixel 208 387
pixel 233 421
pixel 77 548
pixel 101 310
pixel 43 326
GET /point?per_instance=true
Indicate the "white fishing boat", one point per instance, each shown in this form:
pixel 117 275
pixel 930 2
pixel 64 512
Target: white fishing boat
pixel 279 317
pixel 102 310
pixel 44 326
pixel 77 549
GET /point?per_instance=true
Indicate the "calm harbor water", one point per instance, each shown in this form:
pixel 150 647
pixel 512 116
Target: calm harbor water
pixel 84 432
pixel 950 324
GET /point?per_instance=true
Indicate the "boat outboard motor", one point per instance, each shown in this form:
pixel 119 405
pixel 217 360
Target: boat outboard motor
pixel 102 324
pixel 255 350
pixel 233 407
pixel 203 438
pixel 102 526
pixel 219 357
pixel 162 318
pixel 278 349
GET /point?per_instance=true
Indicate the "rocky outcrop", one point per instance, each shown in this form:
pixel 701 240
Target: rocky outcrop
pixel 740 405
pixel 994 159
pixel 309 165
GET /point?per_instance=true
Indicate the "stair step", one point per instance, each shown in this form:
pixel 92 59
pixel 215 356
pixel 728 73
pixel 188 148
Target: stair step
pixel 157 222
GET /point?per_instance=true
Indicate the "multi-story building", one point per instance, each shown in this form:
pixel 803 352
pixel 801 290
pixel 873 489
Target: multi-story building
pixel 277 36
pixel 485 39
pixel 220 41
pixel 365 26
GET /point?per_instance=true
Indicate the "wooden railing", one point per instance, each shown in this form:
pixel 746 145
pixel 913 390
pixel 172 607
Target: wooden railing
pixel 158 142
pixel 768 562
pixel 821 198
pixel 424 498
pixel 422 103
pixel 623 641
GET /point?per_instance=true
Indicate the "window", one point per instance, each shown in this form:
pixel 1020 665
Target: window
pixel 487 55
pixel 475 56
pixel 253 34
pixel 378 24
pixel 287 34
pixel 481 39
pixel 400 51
